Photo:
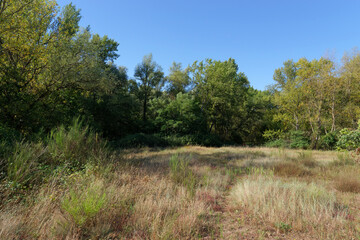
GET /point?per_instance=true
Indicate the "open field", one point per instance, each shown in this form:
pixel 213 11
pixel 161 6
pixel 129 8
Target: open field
pixel 194 193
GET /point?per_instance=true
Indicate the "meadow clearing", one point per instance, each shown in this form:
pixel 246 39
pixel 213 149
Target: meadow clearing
pixel 194 193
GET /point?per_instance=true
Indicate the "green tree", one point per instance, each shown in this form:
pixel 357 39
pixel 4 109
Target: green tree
pixel 178 80
pixel 150 80
pixel 221 91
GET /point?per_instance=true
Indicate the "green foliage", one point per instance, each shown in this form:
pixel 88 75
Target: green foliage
pixel 221 91
pixel 150 81
pixel 284 227
pixel 272 135
pixel 298 140
pixel 181 173
pixel 179 116
pixel 72 148
pixel 329 141
pixel 84 203
pixel 156 140
pixel 348 139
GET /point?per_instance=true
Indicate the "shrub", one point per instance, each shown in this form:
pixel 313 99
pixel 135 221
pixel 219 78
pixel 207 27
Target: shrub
pixel 298 140
pixel 272 135
pixel 155 140
pixel 348 139
pixel 294 203
pixel 85 202
pixel 329 140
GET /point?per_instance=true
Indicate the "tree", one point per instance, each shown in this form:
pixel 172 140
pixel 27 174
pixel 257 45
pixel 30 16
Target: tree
pixel 150 79
pixel 181 115
pixel 221 91
pixel 287 94
pixel 178 80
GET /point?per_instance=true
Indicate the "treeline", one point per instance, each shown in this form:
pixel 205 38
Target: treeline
pixel 317 100
pixel 52 71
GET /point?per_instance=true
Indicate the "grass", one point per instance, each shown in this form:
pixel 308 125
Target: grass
pixel 348 181
pixel 176 193
pixel 293 203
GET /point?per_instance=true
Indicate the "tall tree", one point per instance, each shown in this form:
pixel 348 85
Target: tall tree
pixel 221 91
pixel 150 80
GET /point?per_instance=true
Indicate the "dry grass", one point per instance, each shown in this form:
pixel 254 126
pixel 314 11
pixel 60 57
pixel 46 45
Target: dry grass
pixel 288 204
pixel 348 182
pixel 206 193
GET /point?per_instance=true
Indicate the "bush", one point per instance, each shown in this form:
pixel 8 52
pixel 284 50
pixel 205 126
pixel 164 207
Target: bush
pixel 272 135
pixel 329 140
pixel 348 140
pixel 85 202
pixel 298 140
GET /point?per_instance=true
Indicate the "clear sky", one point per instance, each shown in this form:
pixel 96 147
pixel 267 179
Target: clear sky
pixel 259 35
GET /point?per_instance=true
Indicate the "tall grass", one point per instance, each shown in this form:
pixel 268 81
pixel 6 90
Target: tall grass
pixel 66 147
pixel 75 145
pixel 295 203
pixel 23 164
pixel 181 173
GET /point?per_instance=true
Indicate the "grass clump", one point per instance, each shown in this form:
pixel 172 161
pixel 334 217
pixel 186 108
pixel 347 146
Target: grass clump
pixel 181 173
pixel 295 203
pixel 75 145
pixel 306 158
pixel 23 166
pixel 290 169
pixel 348 182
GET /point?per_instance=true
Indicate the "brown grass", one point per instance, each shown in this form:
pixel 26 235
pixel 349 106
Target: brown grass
pixel 347 182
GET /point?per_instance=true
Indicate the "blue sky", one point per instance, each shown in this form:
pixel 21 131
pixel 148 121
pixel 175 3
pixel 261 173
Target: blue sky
pixel 259 35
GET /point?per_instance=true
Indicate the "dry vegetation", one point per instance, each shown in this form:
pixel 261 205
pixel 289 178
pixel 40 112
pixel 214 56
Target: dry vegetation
pixel 194 193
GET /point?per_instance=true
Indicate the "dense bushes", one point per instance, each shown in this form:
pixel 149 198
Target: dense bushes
pixel 292 139
pixel 348 139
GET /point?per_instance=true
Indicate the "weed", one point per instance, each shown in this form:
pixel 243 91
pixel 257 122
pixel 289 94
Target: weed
pixel 283 227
